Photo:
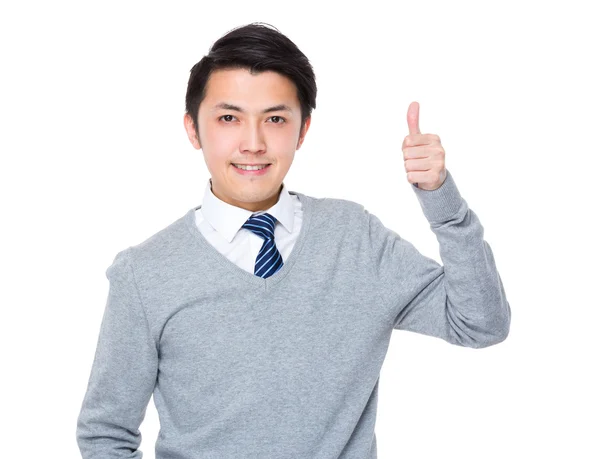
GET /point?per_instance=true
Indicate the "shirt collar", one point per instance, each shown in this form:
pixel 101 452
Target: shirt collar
pixel 227 219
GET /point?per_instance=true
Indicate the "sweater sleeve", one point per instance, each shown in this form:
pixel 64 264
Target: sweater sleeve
pixel 463 301
pixel 123 372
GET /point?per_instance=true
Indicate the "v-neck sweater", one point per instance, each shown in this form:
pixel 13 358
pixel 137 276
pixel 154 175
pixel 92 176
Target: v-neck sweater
pixel 239 273
pixel 286 366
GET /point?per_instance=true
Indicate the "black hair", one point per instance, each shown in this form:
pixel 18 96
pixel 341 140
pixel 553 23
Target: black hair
pixel 257 47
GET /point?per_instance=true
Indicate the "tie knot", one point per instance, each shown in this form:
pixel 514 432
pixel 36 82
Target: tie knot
pixel 262 225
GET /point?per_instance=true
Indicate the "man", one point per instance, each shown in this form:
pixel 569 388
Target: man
pixel 261 318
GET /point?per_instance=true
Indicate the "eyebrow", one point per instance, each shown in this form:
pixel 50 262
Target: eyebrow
pixel 275 108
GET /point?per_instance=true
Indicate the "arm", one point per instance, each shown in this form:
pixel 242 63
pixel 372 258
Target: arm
pixel 123 372
pixel 463 301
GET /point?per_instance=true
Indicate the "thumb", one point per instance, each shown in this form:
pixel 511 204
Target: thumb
pixel 413 118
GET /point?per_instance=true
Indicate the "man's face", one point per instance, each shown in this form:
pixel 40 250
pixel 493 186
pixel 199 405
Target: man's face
pixel 249 136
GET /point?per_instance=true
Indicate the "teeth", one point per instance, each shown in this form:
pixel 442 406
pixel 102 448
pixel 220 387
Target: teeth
pixel 250 168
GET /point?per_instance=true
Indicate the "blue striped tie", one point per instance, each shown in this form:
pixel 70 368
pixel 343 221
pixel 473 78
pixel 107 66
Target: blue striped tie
pixel 268 260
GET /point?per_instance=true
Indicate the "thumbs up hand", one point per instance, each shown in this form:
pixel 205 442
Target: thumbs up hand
pixel 424 156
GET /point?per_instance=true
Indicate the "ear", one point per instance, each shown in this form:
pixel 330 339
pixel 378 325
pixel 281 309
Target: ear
pixel 303 132
pixel 190 129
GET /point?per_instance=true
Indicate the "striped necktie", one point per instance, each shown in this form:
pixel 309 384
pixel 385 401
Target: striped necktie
pixel 268 260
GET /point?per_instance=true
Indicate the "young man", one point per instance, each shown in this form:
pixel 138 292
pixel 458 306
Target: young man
pixel 261 318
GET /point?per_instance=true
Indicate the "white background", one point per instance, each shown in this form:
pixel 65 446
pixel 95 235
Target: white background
pixel 95 159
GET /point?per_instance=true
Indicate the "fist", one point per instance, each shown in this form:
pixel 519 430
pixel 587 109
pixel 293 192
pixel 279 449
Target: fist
pixel 424 156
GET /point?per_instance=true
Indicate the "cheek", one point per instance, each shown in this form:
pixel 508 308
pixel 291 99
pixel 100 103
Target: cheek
pixel 219 140
pixel 285 141
pixel 218 148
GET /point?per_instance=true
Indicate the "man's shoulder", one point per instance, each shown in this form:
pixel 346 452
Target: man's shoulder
pixel 162 243
pixel 169 233
pixel 328 206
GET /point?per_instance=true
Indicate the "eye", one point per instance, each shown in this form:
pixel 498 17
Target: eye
pixel 279 117
pixel 225 116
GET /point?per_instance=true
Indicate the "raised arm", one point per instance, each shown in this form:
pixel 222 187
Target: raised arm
pixel 463 301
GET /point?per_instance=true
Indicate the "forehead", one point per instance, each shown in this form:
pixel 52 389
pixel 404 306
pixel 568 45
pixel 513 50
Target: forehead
pixel 240 87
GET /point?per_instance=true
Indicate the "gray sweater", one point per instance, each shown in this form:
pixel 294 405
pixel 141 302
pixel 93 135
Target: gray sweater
pixel 285 367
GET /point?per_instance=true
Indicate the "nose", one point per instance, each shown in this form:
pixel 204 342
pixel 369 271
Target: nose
pixel 252 140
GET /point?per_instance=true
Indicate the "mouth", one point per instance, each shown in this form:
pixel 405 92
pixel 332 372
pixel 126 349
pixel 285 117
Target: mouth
pixel 251 169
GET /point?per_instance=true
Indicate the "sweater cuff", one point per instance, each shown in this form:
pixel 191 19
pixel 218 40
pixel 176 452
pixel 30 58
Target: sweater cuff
pixel 442 204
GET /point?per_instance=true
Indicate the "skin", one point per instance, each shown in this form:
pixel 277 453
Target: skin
pixel 424 156
pixel 227 136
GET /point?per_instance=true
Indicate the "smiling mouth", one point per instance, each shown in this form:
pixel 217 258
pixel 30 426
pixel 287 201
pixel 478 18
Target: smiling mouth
pixel 251 167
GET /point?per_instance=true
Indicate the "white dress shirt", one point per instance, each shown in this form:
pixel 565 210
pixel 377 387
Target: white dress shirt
pixel 221 224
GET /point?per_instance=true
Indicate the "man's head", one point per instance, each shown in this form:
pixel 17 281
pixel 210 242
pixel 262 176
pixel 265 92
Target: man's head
pixel 249 101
